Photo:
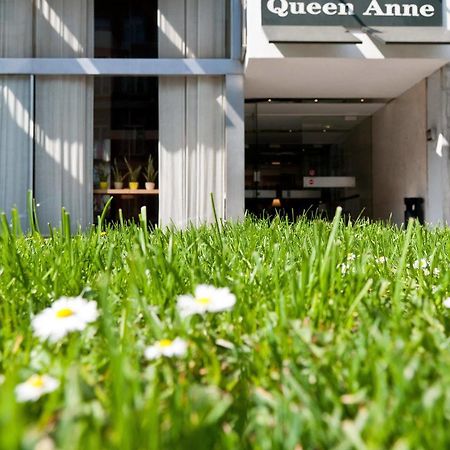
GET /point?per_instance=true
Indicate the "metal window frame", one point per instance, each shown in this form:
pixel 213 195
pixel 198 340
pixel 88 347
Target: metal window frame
pixel 116 67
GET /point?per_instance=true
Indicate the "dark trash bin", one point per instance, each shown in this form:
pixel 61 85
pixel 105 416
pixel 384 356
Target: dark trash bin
pixel 414 209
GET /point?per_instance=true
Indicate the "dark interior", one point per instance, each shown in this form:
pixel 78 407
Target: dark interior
pixel 126 108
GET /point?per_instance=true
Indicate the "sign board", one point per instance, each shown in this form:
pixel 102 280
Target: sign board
pixel 329 182
pixel 356 14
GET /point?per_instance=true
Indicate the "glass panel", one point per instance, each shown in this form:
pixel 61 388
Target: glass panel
pixel 125 138
pixel 126 29
pixel 285 143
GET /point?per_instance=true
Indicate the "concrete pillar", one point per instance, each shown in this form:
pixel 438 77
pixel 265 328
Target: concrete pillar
pixel 438 120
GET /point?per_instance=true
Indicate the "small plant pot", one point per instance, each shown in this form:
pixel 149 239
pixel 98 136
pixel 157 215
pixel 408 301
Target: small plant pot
pixel 150 186
pixel 104 185
pixel 133 185
pixel 118 185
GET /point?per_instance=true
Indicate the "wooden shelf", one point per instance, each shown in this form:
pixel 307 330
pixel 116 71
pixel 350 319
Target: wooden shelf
pixel 125 192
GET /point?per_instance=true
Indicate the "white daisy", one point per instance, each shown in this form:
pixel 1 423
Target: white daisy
pixel 64 316
pixel 206 299
pixel 436 272
pixel 344 268
pixel 381 260
pixel 351 257
pixel 420 264
pixel 167 348
pixel 35 387
pixel 446 303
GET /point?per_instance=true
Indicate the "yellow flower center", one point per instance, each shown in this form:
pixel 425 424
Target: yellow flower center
pixel 165 343
pixel 203 300
pixel 36 381
pixel 64 312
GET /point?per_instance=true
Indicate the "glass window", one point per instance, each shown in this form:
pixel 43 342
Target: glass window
pixel 126 145
pixel 126 29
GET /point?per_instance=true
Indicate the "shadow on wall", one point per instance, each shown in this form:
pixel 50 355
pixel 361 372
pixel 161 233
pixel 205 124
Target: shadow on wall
pixel 15 144
pixel 64 28
pixel 63 162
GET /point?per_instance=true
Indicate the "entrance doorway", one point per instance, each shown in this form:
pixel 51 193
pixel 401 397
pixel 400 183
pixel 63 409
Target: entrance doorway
pixel 309 156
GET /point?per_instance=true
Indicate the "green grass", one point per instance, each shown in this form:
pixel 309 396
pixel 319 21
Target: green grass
pixel 314 355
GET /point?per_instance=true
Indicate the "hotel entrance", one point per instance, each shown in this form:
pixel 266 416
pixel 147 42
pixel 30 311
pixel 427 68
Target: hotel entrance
pixel 347 104
pixel 309 156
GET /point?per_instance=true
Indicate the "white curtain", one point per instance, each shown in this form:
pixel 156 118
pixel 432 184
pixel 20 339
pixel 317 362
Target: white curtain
pixel 64 114
pixel 64 28
pixel 64 159
pixel 192 114
pixel 16 27
pixel 15 103
pixel 15 144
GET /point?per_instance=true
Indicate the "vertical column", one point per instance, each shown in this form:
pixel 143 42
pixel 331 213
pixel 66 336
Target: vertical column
pixel 235 132
pixel 438 120
pixel 15 106
pixel 64 114
pixel 172 117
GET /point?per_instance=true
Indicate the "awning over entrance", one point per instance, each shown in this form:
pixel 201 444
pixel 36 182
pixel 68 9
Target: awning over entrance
pixel 409 35
pixel 304 34
pixel 282 34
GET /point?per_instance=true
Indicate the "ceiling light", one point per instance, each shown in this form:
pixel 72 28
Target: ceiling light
pixel 269 100
pixel 316 100
pixel 276 163
pixel 362 100
pixel 276 203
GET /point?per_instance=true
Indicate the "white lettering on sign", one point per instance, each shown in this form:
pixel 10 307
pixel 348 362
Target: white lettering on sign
pixel 283 8
pixel 396 10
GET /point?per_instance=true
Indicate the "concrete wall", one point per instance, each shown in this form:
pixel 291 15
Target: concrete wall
pixel 400 153
pixel 357 151
pixel 438 194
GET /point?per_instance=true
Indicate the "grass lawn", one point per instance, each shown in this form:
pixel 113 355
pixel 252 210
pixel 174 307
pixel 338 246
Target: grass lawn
pixel 331 336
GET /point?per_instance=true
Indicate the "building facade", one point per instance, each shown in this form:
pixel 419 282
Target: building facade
pixel 311 104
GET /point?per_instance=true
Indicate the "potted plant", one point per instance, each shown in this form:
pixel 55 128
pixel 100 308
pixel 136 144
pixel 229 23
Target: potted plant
pixel 133 173
pixel 150 174
pixel 117 176
pixel 103 175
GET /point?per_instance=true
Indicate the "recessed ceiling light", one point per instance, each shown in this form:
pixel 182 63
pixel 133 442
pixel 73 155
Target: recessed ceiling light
pixel 316 100
pixel 269 100
pixel 362 100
